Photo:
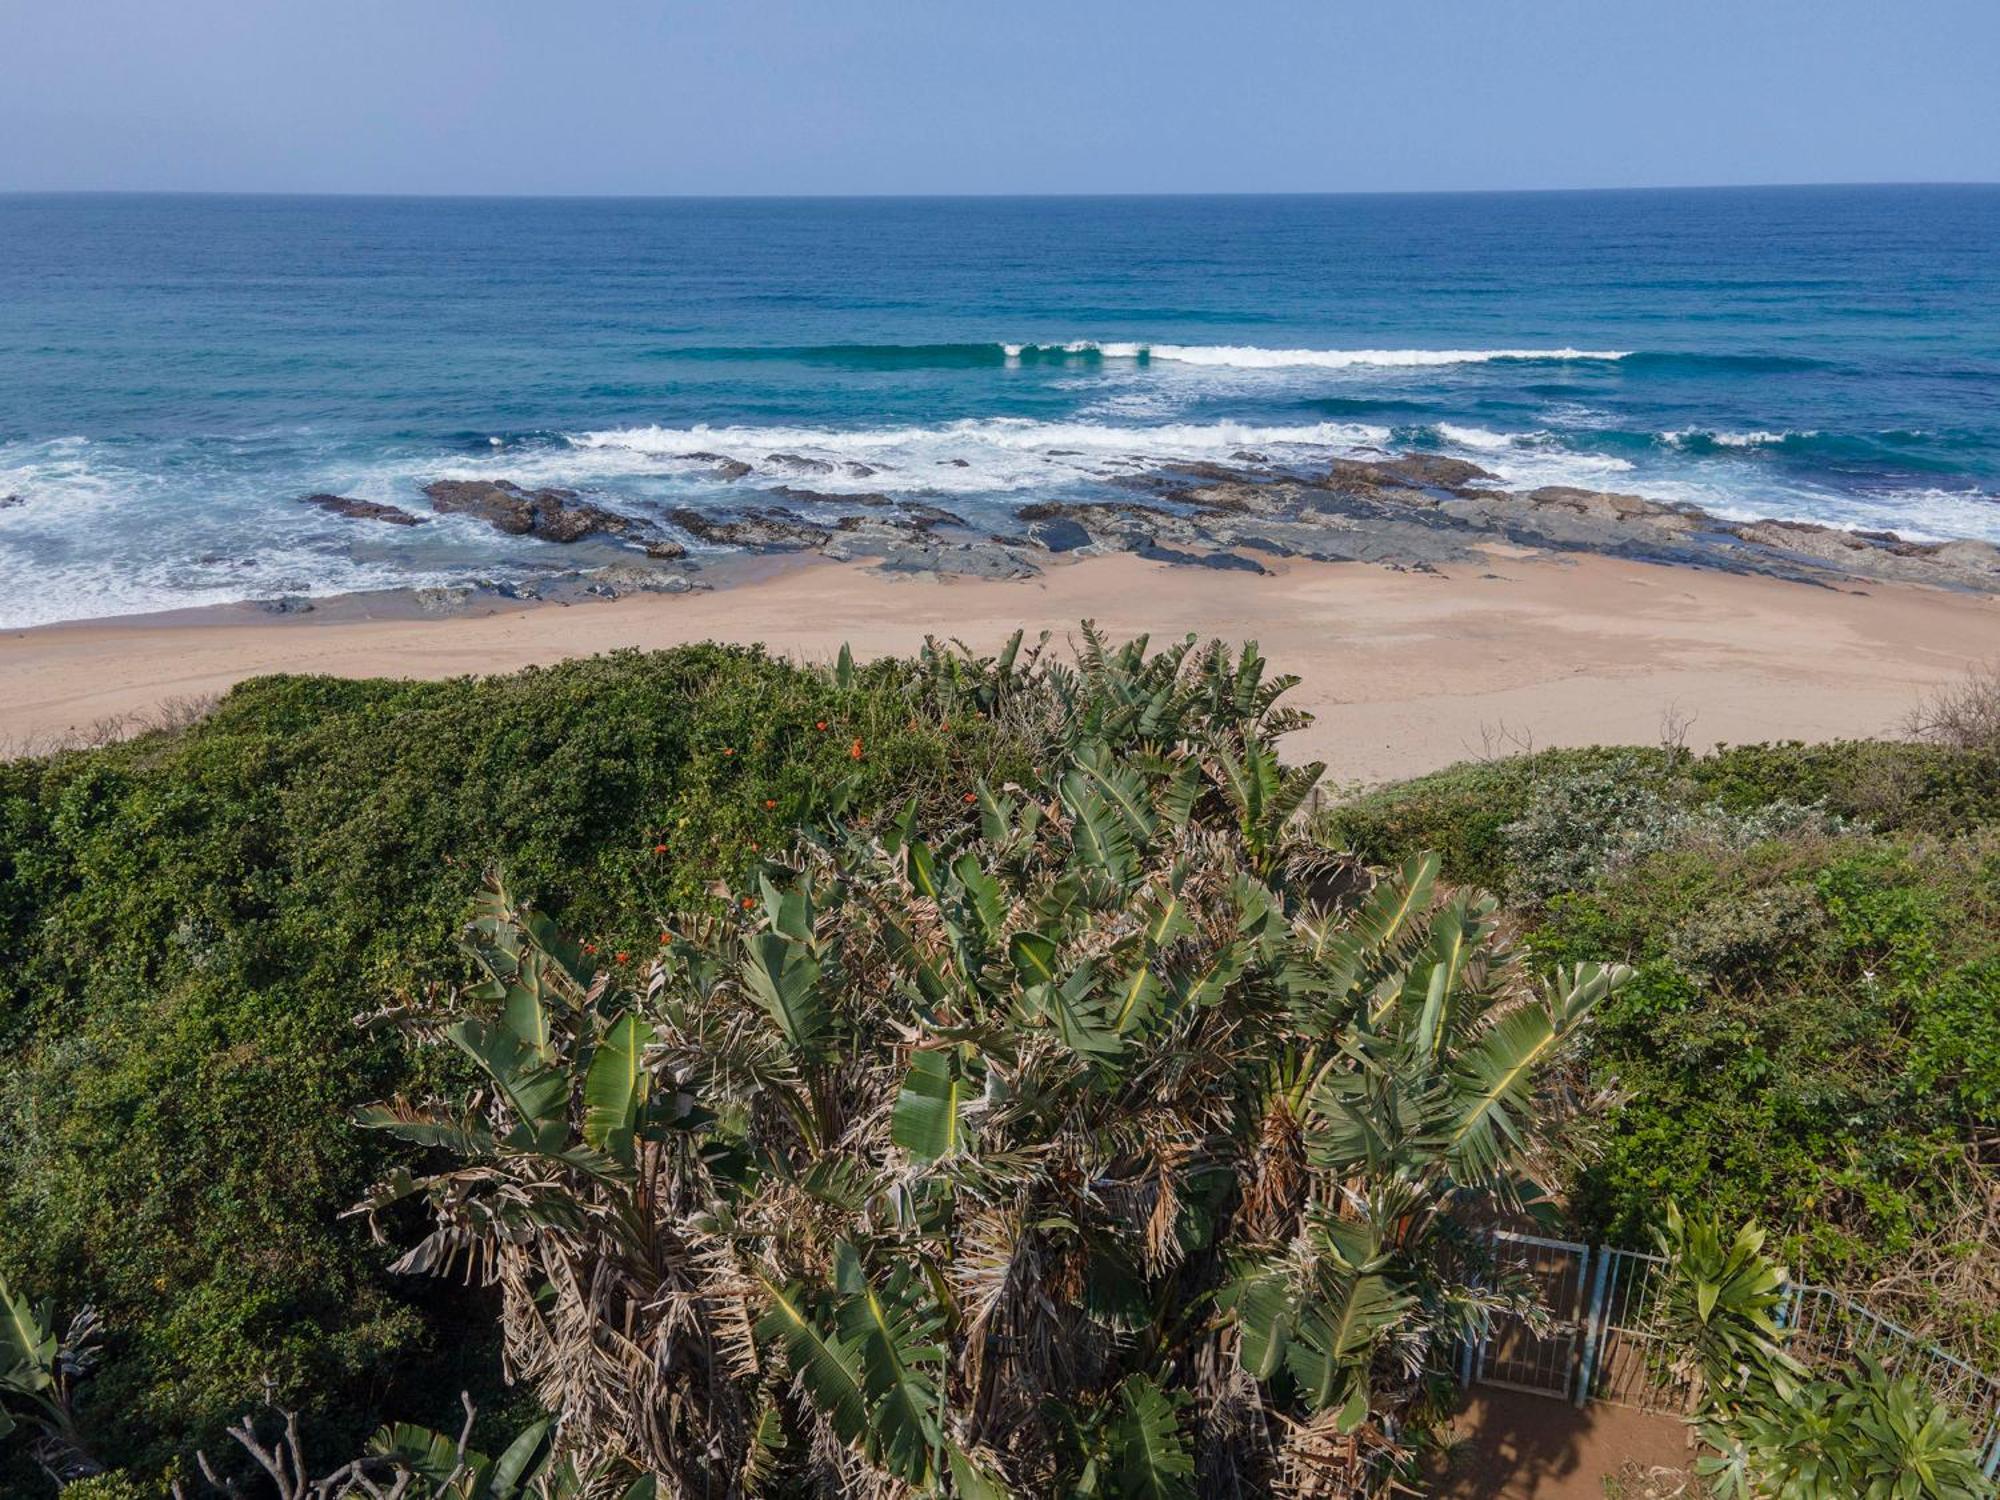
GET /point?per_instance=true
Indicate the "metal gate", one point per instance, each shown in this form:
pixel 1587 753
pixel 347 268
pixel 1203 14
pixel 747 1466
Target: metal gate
pixel 1517 1355
pixel 1625 1361
pixel 1601 1340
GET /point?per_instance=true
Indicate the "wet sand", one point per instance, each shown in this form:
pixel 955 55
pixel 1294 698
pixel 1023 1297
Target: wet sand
pixel 1406 671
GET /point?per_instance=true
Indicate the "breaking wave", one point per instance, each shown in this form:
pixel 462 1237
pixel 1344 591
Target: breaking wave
pixel 1092 351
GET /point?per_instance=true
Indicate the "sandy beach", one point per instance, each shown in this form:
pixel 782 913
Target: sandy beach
pixel 1406 671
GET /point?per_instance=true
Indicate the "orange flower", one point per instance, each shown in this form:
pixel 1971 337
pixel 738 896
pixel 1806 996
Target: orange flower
pixel 659 848
pixel 821 726
pixel 755 847
pixel 944 723
pixel 969 797
pixel 590 947
pixel 665 938
pixel 769 803
pixel 748 903
pixel 622 957
pixel 728 750
pixel 854 751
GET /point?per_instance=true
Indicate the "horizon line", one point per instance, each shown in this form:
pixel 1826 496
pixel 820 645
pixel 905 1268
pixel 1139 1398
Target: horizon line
pixel 1080 194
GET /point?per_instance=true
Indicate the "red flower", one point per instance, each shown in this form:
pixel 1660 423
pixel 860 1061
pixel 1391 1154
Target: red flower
pixel 854 751
pixel 770 802
pixel 623 956
pixel 970 798
pixel 665 938
pixel 728 750
pixel 821 726
pixel 659 848
pixel 748 903
pixel 590 947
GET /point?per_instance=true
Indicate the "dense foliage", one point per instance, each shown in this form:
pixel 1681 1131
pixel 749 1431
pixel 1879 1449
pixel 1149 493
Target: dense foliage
pixel 1103 1141
pixel 1774 1426
pixel 1812 1035
pixel 190 923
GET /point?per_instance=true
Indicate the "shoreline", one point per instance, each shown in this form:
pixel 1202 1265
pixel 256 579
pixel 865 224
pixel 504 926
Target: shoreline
pixel 1407 671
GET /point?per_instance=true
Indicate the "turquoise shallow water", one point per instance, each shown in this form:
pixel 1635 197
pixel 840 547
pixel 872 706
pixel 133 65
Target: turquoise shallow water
pixel 176 371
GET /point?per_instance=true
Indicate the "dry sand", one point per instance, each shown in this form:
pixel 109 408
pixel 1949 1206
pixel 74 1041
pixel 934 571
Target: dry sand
pixel 1407 671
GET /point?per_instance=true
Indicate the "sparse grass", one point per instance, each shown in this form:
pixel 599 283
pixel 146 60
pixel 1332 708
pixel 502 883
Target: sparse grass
pixel 1965 716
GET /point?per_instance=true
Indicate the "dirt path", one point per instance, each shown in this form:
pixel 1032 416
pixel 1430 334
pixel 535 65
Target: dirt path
pixel 1522 1447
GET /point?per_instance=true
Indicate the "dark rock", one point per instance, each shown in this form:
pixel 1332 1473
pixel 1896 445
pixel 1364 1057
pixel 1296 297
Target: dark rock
pixel 1413 471
pixel 1059 534
pixel 552 515
pixel 286 604
pixel 824 497
pixel 1084 512
pixel 1217 473
pixel 8 502
pixel 1607 505
pixel 859 471
pixel 798 463
pixel 725 466
pixel 953 463
pixel 362 510
pixel 1227 561
pixel 763 530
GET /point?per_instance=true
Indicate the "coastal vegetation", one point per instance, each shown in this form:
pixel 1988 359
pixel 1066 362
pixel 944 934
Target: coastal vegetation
pixel 822 1026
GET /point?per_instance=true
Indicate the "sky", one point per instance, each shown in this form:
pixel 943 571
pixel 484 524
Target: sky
pixel 991 96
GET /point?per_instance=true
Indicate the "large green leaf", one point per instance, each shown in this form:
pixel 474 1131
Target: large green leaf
pixel 826 1364
pixel 983 895
pixel 1150 1452
pixel 1135 1001
pixel 615 1089
pixel 1335 1340
pixel 27 1344
pixel 1492 1084
pixel 926 1120
pixel 785 980
pixel 1263 1304
pixel 891 1331
pixel 461 1137
pixel 538 1094
pixel 1102 838
pixel 1034 957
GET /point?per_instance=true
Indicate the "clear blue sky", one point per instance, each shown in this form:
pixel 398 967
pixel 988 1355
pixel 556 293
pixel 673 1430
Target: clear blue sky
pixel 998 96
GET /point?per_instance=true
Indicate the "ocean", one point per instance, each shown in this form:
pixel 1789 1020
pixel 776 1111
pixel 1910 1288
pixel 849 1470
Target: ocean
pixel 176 372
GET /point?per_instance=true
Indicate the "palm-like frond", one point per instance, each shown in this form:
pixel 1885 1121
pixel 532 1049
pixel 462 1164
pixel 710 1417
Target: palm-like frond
pixel 1010 1154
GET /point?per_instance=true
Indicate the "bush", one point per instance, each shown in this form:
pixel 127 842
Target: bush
pixel 189 924
pixel 1812 1036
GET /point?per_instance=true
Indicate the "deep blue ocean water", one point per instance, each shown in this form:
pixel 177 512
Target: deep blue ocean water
pixel 176 371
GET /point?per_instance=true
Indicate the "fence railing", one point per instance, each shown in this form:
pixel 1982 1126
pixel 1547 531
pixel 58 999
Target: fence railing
pixel 1602 1340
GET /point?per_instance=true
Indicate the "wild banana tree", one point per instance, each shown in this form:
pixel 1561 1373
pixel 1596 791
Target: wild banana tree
pixel 1107 1142
pixel 40 1373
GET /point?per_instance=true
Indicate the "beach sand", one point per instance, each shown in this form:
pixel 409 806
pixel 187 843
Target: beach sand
pixel 1407 672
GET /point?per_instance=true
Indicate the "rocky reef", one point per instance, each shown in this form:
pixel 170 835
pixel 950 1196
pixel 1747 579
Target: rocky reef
pixel 553 515
pixel 1413 512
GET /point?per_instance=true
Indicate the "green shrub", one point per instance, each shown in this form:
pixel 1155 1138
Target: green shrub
pixel 190 923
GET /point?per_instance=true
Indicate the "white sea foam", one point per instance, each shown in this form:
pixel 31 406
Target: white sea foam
pixel 1482 439
pixel 1684 436
pixel 1251 357
pixel 990 456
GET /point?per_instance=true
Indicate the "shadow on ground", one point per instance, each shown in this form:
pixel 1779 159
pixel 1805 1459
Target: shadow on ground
pixel 1521 1447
